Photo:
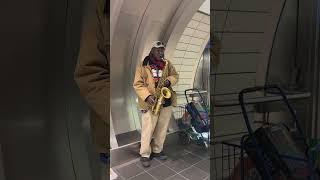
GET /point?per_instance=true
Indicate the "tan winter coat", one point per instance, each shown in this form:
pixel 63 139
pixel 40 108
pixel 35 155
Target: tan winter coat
pixel 92 74
pixel 144 84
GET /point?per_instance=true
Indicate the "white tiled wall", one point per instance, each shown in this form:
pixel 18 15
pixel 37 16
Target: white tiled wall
pixel 189 50
pixel 240 26
pixel 237 63
pixel 243 5
pixel 241 42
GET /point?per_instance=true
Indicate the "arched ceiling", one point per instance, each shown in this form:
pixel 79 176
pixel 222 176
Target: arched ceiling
pixel 134 26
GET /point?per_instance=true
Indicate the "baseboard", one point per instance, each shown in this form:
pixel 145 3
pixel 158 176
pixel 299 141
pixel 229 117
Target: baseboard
pixel 2 176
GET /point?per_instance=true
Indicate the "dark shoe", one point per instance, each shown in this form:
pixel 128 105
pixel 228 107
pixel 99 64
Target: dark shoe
pixel 146 162
pixel 105 158
pixel 161 155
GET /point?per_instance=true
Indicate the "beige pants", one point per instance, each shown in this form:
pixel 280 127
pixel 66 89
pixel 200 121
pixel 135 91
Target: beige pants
pixel 157 127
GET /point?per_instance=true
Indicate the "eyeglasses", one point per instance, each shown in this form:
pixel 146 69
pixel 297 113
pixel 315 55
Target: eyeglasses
pixel 160 43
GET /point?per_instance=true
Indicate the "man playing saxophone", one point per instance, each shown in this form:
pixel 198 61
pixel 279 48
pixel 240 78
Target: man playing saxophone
pixel 153 83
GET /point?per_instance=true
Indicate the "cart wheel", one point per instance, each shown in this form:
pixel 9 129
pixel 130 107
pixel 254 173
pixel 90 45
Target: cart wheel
pixel 202 143
pixel 206 144
pixel 184 138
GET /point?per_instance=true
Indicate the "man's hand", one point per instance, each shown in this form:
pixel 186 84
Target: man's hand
pixel 167 83
pixel 151 99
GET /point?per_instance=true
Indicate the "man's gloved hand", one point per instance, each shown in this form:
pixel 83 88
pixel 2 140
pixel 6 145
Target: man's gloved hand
pixel 167 83
pixel 151 99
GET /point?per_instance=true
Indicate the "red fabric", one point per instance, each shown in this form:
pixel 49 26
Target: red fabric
pixel 156 64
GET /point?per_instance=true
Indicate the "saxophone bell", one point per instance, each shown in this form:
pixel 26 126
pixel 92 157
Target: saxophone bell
pixel 165 93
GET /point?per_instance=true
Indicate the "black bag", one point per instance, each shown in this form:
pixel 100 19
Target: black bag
pixel 200 118
pixel 276 145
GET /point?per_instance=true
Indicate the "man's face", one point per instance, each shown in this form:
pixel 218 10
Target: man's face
pixel 158 53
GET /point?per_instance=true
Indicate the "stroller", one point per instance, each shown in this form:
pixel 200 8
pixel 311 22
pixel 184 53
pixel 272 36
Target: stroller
pixel 195 123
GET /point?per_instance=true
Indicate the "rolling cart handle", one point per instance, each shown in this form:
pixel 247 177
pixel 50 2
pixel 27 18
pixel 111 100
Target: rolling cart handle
pixel 194 89
pixel 265 88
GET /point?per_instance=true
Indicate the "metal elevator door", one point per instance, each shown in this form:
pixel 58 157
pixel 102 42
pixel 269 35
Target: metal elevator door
pixel 44 128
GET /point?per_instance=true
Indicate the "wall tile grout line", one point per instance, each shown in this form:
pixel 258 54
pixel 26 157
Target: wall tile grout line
pixel 230 114
pixel 189 43
pixel 243 11
pixel 240 32
pixel 243 52
pixel 193 36
pixel 199 29
pixel 188 50
pixel 233 73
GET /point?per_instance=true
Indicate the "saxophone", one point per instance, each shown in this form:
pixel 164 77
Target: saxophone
pixel 162 92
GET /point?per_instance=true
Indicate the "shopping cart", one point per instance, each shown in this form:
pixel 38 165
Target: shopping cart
pixel 228 164
pixel 195 123
pixel 276 152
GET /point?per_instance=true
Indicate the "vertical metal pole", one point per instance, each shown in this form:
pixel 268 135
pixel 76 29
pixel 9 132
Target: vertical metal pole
pixel 2 176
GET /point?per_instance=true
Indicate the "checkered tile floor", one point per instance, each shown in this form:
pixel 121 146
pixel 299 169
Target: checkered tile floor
pixel 187 163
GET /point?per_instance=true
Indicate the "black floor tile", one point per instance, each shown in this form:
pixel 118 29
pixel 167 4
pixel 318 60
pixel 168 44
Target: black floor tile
pixel 143 176
pixel 194 147
pixel 204 165
pixel 172 139
pixel 176 154
pixel 162 172
pixel 176 177
pixel 177 165
pixel 179 160
pixel 191 159
pixel 131 152
pixel 128 137
pixel 124 155
pixel 203 153
pixel 129 170
pixel 194 173
pixel 154 163
pixel 173 149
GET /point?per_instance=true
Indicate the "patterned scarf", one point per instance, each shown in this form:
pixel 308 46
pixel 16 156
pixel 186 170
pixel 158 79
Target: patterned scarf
pixel 157 69
pixel 157 64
